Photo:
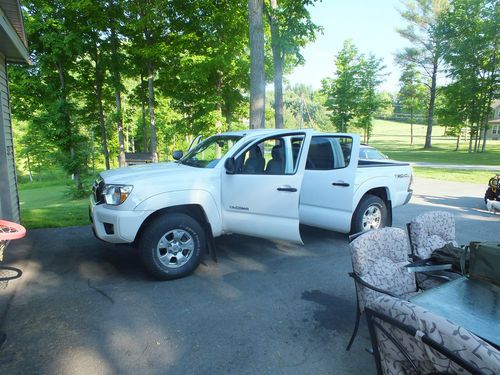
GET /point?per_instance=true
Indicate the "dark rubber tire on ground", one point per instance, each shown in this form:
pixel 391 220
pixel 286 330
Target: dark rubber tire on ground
pixel 371 213
pixel 490 194
pixel 171 246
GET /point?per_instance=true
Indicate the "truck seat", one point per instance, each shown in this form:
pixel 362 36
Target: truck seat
pixel 275 165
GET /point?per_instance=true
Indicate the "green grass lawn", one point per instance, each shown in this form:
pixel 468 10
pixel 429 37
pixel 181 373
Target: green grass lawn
pixel 49 205
pixel 474 177
pixel 393 138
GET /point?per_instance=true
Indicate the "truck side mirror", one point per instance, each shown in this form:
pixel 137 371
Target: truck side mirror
pixel 230 166
pixel 177 155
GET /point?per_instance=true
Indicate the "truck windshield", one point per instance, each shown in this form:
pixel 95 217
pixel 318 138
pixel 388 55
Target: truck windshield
pixel 208 153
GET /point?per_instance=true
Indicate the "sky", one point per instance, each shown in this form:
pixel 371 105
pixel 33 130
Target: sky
pixel 371 24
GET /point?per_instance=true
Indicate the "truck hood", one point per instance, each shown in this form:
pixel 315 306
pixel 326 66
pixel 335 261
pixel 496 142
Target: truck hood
pixel 145 172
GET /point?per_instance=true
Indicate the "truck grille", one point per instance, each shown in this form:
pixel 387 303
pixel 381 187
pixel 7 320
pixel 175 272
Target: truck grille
pixel 97 187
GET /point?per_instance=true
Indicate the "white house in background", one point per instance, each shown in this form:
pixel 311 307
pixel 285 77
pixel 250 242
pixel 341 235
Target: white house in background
pixel 13 49
pixel 494 122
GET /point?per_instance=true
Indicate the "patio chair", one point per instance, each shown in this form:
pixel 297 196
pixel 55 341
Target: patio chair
pixel 430 231
pixel 378 260
pixel 407 339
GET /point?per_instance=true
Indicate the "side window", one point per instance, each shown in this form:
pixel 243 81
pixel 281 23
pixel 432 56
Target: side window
pixel 329 152
pixel 272 156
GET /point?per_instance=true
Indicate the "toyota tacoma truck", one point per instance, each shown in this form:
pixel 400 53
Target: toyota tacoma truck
pixel 262 183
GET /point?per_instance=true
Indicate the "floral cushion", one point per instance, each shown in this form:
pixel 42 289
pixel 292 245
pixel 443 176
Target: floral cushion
pixel 379 257
pixel 430 231
pixel 458 340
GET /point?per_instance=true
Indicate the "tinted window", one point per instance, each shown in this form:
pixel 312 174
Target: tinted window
pixel 329 153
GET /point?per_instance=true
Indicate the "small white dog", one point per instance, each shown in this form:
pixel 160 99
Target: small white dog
pixel 492 206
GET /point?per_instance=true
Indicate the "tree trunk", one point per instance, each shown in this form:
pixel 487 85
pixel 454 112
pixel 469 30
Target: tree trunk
pixel 278 60
pixel 229 116
pixel 458 139
pixel 151 104
pixel 102 123
pixel 75 168
pixel 430 117
pixel 490 97
pixel 143 108
pixel 218 89
pixel 29 167
pixel 257 74
pixel 411 126
pixel 127 142
pixel 471 125
pixel 116 83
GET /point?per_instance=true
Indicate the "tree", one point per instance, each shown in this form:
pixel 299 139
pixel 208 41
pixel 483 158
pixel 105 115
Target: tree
pixel 148 31
pixel 206 63
pixel 369 79
pixel 56 42
pixel 257 71
pixel 116 70
pixel 412 92
pixel 386 108
pixel 93 68
pixel 342 90
pixel 351 94
pixel 426 51
pixel 452 111
pixel 471 34
pixel 304 108
pixel 291 28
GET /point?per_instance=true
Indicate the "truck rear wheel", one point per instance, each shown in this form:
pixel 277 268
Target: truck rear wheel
pixel 171 246
pixel 371 213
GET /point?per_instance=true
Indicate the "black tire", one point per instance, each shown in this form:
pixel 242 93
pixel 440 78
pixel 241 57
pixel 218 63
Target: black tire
pixel 171 246
pixel 370 205
pixel 490 194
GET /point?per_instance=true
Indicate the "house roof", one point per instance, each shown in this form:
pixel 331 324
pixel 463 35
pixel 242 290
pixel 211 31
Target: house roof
pixel 13 43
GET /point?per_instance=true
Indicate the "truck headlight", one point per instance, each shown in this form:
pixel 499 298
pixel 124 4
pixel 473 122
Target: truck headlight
pixel 116 194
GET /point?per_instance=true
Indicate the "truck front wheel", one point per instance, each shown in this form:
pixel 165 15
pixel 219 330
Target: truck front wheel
pixel 171 246
pixel 371 213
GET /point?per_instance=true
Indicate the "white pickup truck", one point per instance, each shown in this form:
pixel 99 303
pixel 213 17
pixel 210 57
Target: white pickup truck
pixel 261 183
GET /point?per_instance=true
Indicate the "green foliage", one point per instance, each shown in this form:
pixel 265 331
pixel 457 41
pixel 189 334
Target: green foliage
pixel 386 100
pixel 470 33
pixel 342 90
pixel 294 27
pixel 85 50
pixel 302 101
pixel 412 95
pixel 425 52
pixel 351 94
pixel 369 101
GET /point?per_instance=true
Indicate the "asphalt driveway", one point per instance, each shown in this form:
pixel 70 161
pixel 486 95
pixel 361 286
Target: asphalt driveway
pixel 267 307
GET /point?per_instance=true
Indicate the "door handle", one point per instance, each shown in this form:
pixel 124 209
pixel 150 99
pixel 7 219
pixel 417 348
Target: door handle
pixel 345 184
pixel 290 189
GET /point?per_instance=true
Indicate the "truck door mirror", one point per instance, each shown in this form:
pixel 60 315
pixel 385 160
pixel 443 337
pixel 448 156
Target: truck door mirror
pixel 230 166
pixel 177 155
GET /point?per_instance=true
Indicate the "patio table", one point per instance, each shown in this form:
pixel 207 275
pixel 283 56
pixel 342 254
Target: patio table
pixel 472 304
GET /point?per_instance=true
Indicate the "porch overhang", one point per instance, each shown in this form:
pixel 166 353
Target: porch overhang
pixel 13 43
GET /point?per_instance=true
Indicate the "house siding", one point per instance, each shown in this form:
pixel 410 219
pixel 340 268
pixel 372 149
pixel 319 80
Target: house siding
pixel 9 199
